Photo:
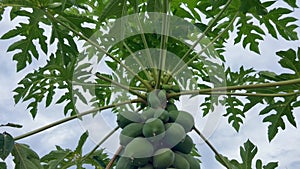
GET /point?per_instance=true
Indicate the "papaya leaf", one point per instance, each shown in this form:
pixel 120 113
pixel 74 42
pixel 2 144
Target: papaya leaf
pixel 258 164
pixel 42 84
pixel 246 5
pixel 25 158
pixel 290 60
pixel 1 12
pixel 292 3
pixel 285 25
pixel 6 145
pixel 14 125
pixel 113 9
pixel 58 157
pixel 81 142
pixel 282 108
pixel 247 153
pixel 98 158
pixel 77 21
pixel 3 165
pixel 271 165
pixel 249 33
pixel 235 114
pixel 65 157
pixel 103 94
pixel 29 32
pixel 226 162
pixel 233 105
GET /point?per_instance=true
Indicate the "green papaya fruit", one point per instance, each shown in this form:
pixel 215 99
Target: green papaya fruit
pixel 154 129
pixel 194 164
pixel 185 146
pixel 171 106
pixel 180 162
pixel 162 96
pixel 130 132
pixel 139 147
pixel 163 158
pixel 126 117
pixel 183 118
pixel 139 162
pixel 148 166
pixel 124 162
pixel 173 115
pixel 148 113
pixel 162 114
pixel 153 100
pixel 173 135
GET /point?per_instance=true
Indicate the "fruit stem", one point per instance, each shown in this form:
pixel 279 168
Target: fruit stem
pixel 106 85
pixel 163 43
pixel 210 146
pixel 149 58
pixel 61 121
pixel 148 76
pixel 208 45
pixel 222 90
pixel 209 28
pixel 111 162
pixel 121 86
pixel 238 94
pixel 100 143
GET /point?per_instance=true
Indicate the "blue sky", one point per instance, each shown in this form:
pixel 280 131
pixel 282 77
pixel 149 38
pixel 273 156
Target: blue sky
pixel 285 147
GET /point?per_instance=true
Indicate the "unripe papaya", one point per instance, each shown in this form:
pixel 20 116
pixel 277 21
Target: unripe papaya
pixel 148 113
pixel 183 118
pixel 162 114
pixel 171 106
pixel 154 129
pixel 174 134
pixel 162 96
pixel 124 162
pixel 130 132
pixel 148 166
pixel 153 100
pixel 173 115
pixel 180 162
pixel 194 164
pixel 126 117
pixel 185 146
pixel 163 158
pixel 139 162
pixel 139 147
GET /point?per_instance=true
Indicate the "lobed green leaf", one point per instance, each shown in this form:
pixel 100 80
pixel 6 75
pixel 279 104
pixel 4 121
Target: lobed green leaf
pixel 6 145
pixel 3 165
pixel 247 153
pixel 25 158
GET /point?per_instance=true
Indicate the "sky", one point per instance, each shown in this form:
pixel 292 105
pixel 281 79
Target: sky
pixel 285 147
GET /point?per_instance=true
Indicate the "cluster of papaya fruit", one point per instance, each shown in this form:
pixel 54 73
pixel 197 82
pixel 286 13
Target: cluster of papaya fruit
pixel 156 138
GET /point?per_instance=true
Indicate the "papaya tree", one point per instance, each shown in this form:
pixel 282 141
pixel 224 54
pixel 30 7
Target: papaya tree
pixel 138 59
